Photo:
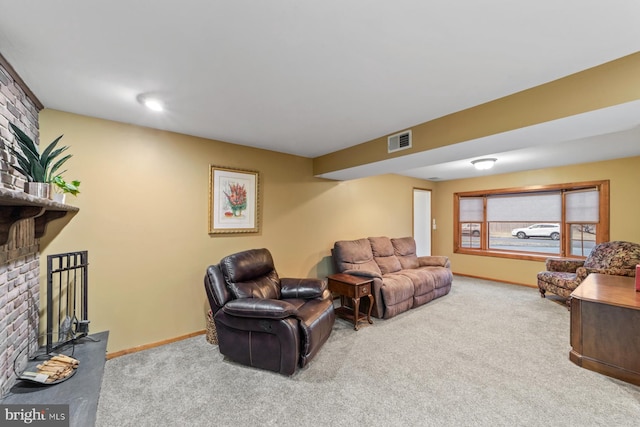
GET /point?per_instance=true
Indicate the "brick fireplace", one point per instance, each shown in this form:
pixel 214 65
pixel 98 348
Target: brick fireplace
pixel 19 256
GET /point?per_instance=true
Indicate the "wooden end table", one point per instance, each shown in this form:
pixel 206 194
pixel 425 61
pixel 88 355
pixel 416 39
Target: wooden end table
pixel 354 287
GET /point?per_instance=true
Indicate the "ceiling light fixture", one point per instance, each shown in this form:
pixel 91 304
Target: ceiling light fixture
pixel 483 164
pixel 151 103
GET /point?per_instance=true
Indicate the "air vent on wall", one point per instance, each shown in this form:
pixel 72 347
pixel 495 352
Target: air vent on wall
pixel 399 141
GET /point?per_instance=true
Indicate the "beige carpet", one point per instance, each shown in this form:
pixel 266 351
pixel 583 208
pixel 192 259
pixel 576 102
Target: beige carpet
pixel 487 354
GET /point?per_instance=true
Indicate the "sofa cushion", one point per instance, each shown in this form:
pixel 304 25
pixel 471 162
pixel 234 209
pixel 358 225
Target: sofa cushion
pixel 423 280
pixel 354 255
pixel 384 255
pixel 397 294
pixel 396 288
pixel 405 251
pixel 442 277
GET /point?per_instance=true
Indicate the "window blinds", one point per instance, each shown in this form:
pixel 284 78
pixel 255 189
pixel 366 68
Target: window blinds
pixel 540 207
pixel 582 206
pixel 471 209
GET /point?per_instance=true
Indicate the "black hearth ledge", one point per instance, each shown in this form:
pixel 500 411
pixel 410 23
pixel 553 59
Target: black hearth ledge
pixel 80 392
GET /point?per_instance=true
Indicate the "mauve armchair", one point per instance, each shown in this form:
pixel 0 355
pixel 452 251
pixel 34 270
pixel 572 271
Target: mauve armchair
pixel 564 275
pixel 265 321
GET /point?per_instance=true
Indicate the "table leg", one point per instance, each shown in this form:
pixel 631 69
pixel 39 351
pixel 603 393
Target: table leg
pixel 356 312
pixel 370 307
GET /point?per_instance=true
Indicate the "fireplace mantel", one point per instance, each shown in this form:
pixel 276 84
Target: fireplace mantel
pixel 18 205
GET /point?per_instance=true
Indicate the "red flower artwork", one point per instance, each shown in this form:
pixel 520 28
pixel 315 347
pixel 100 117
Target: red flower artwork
pixel 237 198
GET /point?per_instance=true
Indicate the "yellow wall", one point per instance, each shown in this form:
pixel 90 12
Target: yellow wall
pixel 143 219
pixel 624 176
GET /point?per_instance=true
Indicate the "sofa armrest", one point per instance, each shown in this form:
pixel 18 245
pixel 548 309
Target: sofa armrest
pixel 434 261
pixel 565 265
pixel 260 308
pixel 362 273
pixel 302 288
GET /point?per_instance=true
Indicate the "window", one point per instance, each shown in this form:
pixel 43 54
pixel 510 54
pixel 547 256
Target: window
pixel 533 222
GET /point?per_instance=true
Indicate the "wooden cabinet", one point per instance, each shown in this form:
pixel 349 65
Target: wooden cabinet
pixel 605 326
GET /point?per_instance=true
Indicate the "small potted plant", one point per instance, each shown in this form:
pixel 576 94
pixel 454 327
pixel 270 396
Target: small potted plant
pixel 61 188
pixel 38 168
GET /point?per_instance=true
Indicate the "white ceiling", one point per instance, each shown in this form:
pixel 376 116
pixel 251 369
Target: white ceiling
pixel 310 78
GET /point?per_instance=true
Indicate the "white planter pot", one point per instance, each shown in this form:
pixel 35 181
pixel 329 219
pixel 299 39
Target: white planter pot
pixel 59 197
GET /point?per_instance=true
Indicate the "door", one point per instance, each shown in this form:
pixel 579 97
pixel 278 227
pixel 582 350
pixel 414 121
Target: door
pixel 422 221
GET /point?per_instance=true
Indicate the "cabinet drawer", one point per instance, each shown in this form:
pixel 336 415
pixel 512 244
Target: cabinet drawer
pixel 364 290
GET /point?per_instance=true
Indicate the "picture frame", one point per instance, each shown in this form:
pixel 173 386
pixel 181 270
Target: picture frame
pixel 233 200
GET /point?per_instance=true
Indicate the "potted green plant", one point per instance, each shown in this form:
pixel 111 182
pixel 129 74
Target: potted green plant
pixel 62 188
pixel 38 168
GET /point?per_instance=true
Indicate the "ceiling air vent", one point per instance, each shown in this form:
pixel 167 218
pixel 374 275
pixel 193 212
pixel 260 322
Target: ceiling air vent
pixel 399 141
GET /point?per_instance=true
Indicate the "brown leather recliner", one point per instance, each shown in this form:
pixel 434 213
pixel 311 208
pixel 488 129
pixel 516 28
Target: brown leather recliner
pixel 265 321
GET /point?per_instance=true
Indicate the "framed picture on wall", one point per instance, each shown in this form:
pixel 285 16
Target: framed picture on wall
pixel 233 200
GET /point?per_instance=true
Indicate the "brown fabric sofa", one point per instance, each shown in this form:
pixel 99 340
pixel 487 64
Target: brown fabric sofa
pixel 401 279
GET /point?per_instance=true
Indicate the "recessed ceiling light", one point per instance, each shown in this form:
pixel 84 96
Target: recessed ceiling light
pixel 483 164
pixel 151 103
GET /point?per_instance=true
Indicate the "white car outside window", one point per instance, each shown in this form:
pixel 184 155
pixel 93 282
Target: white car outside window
pixel 551 231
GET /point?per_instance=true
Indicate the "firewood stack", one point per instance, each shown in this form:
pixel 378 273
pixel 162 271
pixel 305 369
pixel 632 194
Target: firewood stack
pixel 58 367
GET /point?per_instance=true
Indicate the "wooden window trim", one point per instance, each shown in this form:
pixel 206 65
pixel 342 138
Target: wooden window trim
pixel 602 230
